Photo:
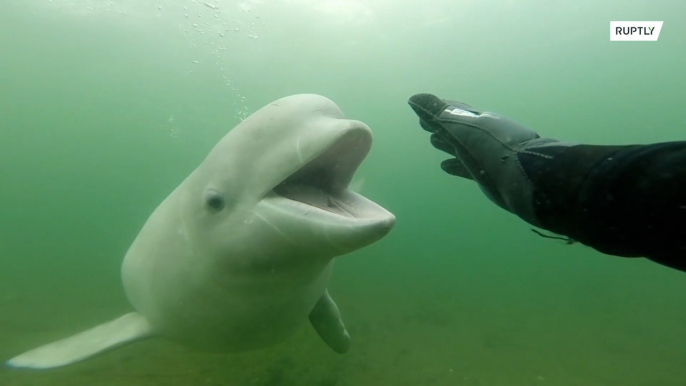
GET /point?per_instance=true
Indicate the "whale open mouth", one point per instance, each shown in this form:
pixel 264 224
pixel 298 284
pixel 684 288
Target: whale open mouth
pixel 322 183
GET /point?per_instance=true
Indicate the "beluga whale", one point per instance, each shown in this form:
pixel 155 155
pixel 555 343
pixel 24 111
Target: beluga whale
pixel 239 255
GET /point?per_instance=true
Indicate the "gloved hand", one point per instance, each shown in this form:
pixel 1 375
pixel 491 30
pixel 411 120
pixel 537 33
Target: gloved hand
pixel 484 146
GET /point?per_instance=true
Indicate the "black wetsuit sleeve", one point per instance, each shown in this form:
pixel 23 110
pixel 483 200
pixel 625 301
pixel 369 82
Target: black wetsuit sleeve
pixel 621 200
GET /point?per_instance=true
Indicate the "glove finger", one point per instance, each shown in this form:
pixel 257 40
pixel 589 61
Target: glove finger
pixel 442 144
pixel 455 167
pixel 427 106
pixel 434 127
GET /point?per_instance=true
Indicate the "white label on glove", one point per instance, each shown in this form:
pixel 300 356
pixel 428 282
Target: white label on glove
pixel 460 112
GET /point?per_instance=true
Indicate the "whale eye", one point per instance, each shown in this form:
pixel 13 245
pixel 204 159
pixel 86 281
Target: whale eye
pixel 214 200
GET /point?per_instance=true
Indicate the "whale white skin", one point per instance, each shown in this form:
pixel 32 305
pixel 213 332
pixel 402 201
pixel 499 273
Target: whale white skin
pixel 249 274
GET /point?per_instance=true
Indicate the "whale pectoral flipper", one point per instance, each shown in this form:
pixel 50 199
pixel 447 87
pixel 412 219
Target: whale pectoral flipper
pixel 107 336
pixel 326 320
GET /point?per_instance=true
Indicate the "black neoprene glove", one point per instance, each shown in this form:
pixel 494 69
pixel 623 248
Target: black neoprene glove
pixel 484 145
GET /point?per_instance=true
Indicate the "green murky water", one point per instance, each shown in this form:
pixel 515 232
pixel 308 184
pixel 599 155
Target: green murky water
pixel 106 106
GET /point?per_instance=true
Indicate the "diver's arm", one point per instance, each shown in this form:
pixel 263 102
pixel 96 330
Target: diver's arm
pixel 631 202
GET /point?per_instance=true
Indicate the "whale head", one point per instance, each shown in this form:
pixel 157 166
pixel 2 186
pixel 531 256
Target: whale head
pixel 274 191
